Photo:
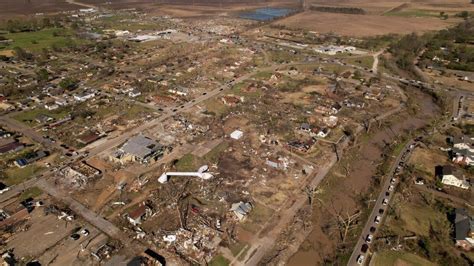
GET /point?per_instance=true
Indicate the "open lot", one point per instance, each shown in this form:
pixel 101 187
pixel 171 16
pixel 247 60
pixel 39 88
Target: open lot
pixel 392 258
pixel 361 25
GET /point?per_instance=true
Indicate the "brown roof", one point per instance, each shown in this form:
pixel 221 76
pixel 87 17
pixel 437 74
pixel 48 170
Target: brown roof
pixel 89 137
pixel 138 212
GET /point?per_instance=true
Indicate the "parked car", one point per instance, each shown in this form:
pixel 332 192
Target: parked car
pixel 381 211
pixel 85 232
pixel 377 219
pixel 75 236
pixel 390 188
pixel 360 259
pixel 372 229
pixel 369 238
pixel 364 248
pixel 384 201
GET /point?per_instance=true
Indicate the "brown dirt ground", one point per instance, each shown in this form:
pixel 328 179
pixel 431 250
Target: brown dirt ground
pixel 361 25
pixel 10 8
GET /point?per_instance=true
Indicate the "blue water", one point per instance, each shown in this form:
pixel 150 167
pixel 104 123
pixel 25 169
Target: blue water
pixel 266 13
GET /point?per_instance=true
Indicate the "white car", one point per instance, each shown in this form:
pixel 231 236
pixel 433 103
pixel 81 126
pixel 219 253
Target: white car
pixel 85 232
pixel 392 181
pixel 390 188
pixel 360 259
pixel 377 219
pixel 385 202
pixel 369 238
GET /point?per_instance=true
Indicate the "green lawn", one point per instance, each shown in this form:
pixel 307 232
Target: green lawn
pixel 31 192
pixel 364 61
pixel 32 114
pixel 415 218
pixel 37 40
pixel 187 163
pixel 17 175
pixel 219 260
pixel 237 247
pixel 190 162
pixel 388 258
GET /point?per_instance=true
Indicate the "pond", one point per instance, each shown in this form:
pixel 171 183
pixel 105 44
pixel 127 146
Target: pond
pixel 266 13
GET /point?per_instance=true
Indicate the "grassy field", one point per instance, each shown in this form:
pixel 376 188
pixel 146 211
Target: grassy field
pixel 190 162
pixel 364 61
pixel 35 41
pixel 387 258
pixel 219 260
pixel 413 13
pixel 16 175
pixel 31 192
pixel 25 116
pixel 415 219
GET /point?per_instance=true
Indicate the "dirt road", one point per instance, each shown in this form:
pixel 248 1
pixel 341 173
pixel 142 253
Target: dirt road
pixel 74 2
pixel 375 64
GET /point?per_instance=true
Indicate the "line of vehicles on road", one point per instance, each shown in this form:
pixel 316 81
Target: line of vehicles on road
pixel 391 187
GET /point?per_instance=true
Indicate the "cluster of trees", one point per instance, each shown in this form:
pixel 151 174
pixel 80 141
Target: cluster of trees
pixel 22 25
pixel 454 45
pixel 334 9
pixel 406 50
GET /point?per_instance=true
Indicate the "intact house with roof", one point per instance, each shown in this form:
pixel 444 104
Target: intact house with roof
pixel 462 151
pixel 463 229
pixel 9 145
pixel 451 177
pixel 137 215
pixel 31 158
pixel 138 149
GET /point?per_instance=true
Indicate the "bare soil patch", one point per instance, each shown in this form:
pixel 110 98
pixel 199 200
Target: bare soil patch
pixel 361 25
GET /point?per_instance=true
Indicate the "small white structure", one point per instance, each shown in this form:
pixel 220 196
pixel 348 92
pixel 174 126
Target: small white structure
pixel 323 132
pixel 201 173
pixel 84 96
pixel 237 134
pixel 134 93
pixel 51 106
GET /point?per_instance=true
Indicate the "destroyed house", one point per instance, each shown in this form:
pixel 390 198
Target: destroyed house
pixel 241 209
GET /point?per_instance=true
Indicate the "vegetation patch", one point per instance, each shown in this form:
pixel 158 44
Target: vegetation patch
pixel 387 258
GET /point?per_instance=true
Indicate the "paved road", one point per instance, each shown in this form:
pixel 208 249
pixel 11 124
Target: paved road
pixel 402 157
pixel 105 226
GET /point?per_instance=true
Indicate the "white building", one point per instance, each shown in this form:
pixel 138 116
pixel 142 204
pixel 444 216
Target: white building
pixel 82 97
pixel 449 178
pixel 134 93
pixel 237 134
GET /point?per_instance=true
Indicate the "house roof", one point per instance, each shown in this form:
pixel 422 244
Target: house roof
pixel 447 170
pixel 241 207
pixel 89 137
pixel 138 212
pixel 462 223
pixel 140 146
